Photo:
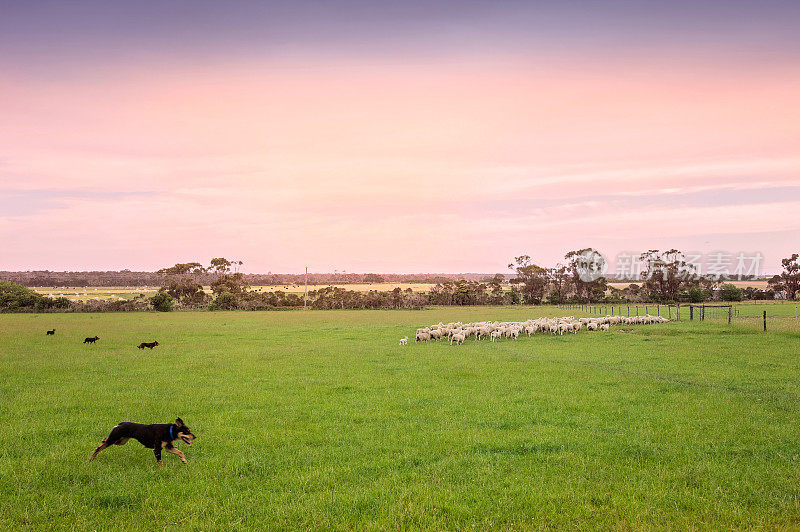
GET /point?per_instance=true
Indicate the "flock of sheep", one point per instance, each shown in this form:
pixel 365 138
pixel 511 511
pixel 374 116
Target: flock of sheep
pixel 458 332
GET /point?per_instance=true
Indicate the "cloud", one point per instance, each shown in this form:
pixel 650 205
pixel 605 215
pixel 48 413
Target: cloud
pixel 440 167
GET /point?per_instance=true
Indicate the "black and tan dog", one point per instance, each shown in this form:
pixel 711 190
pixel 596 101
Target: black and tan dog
pixel 91 340
pixel 156 437
pixel 150 345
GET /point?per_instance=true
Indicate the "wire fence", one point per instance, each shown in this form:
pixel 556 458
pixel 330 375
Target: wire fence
pixel 767 317
pixel 666 311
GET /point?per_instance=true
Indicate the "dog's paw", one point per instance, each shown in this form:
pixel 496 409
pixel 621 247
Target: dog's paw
pixel 160 463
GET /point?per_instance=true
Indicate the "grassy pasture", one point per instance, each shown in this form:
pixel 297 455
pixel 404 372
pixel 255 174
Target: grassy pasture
pixel 320 420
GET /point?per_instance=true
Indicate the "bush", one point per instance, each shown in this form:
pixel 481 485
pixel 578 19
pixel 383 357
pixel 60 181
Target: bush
pixel 696 295
pixel 61 302
pixel 226 301
pixel 730 292
pixel 16 297
pixel 162 302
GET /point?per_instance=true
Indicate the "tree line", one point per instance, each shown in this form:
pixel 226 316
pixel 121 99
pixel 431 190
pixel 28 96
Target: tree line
pixel 66 279
pixel 666 278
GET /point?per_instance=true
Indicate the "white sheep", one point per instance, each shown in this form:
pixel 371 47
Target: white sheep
pixel 404 340
pixel 458 338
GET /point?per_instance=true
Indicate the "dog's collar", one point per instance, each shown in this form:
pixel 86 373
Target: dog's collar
pixel 170 432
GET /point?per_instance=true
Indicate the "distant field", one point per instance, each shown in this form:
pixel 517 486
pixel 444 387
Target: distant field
pixel 96 292
pixel 380 287
pixel 129 292
pixel 319 420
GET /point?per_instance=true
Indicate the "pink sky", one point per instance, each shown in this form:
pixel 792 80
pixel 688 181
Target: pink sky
pixel 447 163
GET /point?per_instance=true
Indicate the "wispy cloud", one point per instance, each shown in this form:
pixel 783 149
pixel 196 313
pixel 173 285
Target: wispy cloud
pixel 452 160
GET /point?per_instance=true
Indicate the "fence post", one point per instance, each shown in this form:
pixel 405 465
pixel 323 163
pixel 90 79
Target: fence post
pixel 730 310
pixel 765 321
pixel 669 311
pixel 637 310
pixel 795 312
pixel 678 312
pixel 645 310
pixel 691 313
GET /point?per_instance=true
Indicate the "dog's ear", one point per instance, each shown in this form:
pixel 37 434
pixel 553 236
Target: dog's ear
pixel 179 422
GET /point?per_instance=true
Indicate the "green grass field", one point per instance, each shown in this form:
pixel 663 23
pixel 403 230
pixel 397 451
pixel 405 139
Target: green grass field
pixel 319 420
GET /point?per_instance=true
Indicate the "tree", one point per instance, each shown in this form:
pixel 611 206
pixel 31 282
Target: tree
pixel 587 267
pixel 789 279
pixel 162 302
pixel 559 278
pixel 185 290
pixel 531 279
pixel 665 273
pixel 220 265
pixel 233 283
pixel 183 269
pixel 730 292
pixel 496 295
pixel 181 282
pixel 373 278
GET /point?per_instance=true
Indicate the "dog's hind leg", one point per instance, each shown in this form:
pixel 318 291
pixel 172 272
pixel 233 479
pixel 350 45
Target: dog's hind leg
pixel 100 447
pixel 112 439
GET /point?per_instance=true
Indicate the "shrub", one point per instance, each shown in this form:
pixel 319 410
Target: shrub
pixel 61 302
pixel 226 301
pixel 162 302
pixel 696 295
pixel 15 296
pixel 730 292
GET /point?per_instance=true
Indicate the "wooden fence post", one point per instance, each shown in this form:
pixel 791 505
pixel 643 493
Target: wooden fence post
pixel 730 310
pixel 691 313
pixel 678 312
pixel 765 321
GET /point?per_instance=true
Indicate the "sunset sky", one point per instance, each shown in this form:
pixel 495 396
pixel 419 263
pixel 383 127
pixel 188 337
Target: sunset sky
pixel 414 136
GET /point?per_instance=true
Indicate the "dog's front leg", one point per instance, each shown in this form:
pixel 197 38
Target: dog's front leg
pixel 157 452
pixel 176 452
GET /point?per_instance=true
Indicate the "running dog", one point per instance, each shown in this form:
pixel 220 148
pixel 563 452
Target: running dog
pixel 149 345
pixel 91 340
pixel 156 437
